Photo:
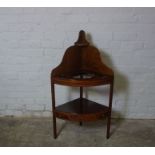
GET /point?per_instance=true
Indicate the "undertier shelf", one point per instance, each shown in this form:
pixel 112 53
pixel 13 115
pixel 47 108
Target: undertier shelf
pixel 81 110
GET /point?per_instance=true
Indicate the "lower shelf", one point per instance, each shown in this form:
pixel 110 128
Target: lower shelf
pixel 81 110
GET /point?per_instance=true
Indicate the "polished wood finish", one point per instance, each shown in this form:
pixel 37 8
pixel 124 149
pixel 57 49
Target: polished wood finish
pixel 91 111
pixel 81 66
pixel 79 59
pixel 95 81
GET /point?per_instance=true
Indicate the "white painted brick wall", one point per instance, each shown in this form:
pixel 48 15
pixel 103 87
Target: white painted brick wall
pixel 33 41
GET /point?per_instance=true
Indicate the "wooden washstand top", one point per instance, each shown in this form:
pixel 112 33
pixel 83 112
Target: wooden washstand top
pixel 82 66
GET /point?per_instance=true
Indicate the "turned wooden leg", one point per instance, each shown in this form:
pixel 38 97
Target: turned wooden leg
pixel 54 127
pixel 81 106
pixel 109 114
pixel 53 108
pixel 108 126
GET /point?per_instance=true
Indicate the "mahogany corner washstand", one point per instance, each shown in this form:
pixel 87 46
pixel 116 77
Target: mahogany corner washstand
pixel 82 67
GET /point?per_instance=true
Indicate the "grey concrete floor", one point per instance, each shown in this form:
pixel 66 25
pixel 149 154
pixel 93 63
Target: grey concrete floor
pixel 38 132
